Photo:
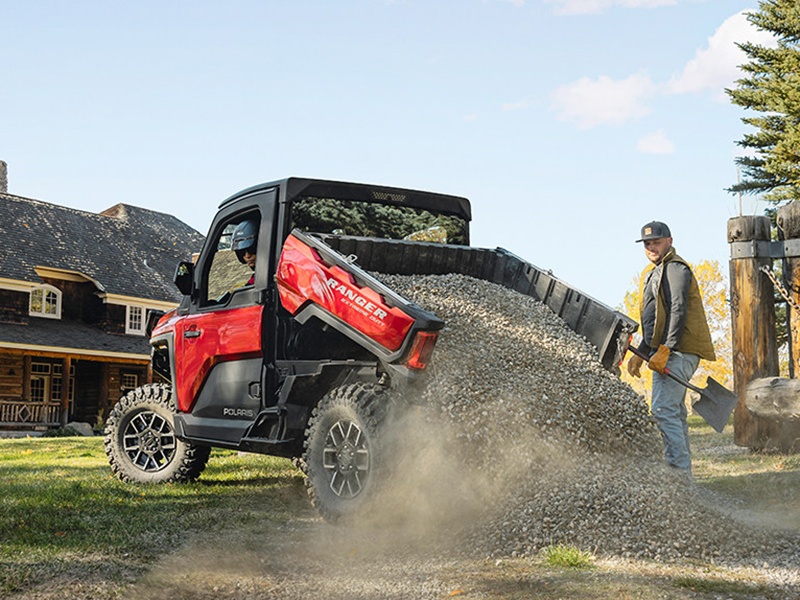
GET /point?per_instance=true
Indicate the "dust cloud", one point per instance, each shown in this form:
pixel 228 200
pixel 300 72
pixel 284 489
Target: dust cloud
pixel 521 440
pixel 408 543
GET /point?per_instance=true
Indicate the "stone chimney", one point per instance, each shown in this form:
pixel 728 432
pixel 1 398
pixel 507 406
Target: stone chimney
pixel 3 177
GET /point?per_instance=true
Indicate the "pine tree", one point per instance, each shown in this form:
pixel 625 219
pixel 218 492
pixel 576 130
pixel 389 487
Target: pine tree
pixel 772 88
pixel 347 217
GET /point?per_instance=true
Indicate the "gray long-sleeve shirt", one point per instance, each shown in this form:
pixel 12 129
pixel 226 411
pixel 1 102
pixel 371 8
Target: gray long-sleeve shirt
pixel 674 283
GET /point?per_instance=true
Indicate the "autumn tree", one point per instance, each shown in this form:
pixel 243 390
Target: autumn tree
pixel 713 288
pixel 772 88
pixel 630 307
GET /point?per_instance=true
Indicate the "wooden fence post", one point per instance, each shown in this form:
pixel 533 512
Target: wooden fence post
pixel 788 220
pixel 755 350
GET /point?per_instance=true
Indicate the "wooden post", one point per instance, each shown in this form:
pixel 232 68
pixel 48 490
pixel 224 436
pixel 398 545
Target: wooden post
pixel 785 426
pixel 66 382
pixel 755 350
pixel 26 377
pixel 788 220
pixel 105 402
pixel 775 398
pixel 774 404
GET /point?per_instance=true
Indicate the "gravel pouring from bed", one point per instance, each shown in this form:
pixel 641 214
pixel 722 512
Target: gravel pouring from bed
pixel 569 451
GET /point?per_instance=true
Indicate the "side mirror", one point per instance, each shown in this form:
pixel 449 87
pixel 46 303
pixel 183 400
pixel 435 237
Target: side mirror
pixel 184 273
pixel 153 317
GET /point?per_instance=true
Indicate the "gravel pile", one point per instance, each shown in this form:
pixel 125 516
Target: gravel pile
pixel 557 449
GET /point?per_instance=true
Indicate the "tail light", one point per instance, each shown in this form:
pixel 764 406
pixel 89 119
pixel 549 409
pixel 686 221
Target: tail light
pixel 421 350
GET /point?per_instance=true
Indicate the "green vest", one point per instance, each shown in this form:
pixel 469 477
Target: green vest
pixel 696 338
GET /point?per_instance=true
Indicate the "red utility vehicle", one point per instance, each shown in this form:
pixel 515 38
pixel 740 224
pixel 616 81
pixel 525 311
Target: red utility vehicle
pixel 307 355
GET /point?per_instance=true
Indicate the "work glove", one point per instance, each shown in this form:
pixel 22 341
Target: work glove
pixel 634 364
pixel 658 362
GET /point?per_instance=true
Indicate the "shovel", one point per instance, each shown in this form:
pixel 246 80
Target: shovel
pixel 716 402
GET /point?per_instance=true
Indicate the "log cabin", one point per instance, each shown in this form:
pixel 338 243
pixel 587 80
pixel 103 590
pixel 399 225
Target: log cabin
pixel 76 291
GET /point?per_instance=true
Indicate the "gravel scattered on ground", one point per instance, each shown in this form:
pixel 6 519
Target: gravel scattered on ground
pixel 554 448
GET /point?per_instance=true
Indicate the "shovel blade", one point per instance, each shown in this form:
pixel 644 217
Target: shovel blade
pixel 715 405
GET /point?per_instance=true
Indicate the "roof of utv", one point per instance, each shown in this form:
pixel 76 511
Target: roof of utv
pixel 294 187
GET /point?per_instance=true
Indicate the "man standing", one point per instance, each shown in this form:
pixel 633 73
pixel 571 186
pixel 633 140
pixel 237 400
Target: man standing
pixel 675 335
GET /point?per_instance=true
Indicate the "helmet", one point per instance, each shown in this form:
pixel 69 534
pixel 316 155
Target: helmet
pixel 245 237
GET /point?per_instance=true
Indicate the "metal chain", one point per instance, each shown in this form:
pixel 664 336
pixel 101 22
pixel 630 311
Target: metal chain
pixel 778 286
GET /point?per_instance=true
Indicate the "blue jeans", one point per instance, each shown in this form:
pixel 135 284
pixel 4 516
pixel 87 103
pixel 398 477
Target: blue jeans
pixel 669 409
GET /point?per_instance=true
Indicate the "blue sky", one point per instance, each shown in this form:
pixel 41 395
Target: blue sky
pixel 568 123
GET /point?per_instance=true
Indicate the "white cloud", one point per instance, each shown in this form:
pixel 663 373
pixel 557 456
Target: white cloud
pixel 517 3
pixel 716 66
pixel 591 102
pixel 507 106
pixel 583 7
pixel 655 143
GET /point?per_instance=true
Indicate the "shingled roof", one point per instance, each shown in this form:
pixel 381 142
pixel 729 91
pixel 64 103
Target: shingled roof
pixel 73 337
pixel 127 250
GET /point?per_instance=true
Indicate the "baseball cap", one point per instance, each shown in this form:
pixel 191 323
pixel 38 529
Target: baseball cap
pixel 654 230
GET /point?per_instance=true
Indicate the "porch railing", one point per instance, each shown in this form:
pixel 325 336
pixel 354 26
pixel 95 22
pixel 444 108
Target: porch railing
pixel 29 414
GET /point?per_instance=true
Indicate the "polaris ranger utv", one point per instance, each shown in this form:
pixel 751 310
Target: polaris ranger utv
pixel 283 345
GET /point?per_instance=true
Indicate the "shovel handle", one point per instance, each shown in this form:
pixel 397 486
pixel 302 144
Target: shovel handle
pixel 667 372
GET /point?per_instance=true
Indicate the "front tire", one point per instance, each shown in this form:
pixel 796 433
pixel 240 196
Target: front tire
pixel 140 440
pixel 344 455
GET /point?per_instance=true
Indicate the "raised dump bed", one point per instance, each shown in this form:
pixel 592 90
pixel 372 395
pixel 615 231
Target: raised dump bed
pixel 606 329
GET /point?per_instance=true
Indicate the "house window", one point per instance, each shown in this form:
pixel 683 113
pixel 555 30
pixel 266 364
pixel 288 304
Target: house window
pixel 130 381
pixel 45 301
pixel 134 320
pixel 47 382
pixel 40 382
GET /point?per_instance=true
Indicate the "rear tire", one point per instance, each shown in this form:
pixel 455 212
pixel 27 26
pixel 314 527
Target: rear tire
pixel 140 440
pixel 345 455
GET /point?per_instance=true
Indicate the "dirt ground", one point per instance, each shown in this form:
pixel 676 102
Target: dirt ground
pixel 304 557
pixel 309 559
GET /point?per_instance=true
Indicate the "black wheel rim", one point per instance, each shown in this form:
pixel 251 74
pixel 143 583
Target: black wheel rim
pixel 149 441
pixel 345 459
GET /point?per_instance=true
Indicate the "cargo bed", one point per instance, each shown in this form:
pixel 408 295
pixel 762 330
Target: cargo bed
pixel 605 328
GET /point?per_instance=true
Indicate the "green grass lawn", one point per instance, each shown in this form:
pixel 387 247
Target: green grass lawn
pixel 59 500
pixel 764 482
pixel 67 522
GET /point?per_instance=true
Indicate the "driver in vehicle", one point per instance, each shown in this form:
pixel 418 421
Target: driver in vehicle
pixel 244 242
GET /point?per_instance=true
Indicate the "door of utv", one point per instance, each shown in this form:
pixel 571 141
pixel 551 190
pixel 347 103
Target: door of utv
pixel 219 346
